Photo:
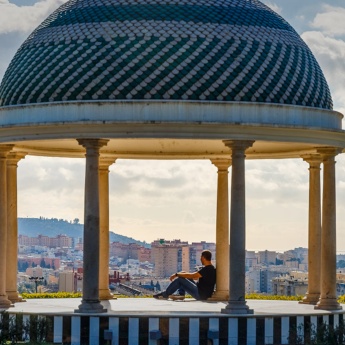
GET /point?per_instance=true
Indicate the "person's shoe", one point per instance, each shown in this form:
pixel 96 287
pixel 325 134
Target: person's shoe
pixel 159 296
pixel 177 297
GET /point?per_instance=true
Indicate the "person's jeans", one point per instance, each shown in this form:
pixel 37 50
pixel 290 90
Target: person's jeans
pixel 185 284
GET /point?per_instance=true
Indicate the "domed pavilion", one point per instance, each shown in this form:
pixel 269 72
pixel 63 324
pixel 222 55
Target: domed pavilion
pixel 221 80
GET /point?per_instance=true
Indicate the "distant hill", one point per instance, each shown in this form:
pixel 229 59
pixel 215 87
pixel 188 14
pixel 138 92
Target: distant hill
pixel 52 227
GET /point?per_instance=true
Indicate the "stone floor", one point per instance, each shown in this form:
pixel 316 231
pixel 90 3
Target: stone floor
pixel 151 307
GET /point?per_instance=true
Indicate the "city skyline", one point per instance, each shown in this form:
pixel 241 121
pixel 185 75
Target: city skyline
pixel 177 199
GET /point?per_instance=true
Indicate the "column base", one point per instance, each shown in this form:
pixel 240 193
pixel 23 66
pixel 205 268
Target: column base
pixel 14 297
pixel 328 304
pixel 310 298
pixel 89 307
pixel 237 307
pixel 105 295
pixel 219 296
pixel 5 302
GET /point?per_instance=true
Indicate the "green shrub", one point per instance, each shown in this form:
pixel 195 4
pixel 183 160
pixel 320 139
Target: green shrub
pixel 52 295
pixel 34 331
pixel 257 296
pixel 325 334
pixel 273 297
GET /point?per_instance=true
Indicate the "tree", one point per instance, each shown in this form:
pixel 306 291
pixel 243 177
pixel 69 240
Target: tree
pixel 341 264
pixel 279 262
pixel 43 263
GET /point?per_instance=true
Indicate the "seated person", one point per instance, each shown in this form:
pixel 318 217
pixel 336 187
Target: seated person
pixel 201 290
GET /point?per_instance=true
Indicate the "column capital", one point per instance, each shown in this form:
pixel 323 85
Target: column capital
pixel 106 161
pixel 314 160
pixel 93 144
pixel 4 150
pixel 328 153
pixel 221 163
pixel 238 144
pixel 15 156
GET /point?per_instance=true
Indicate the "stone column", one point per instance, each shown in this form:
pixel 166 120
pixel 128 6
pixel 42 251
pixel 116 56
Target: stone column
pixel 314 232
pixel 12 227
pixel 90 301
pixel 328 296
pixel 4 151
pixel 237 303
pixel 104 292
pixel 222 231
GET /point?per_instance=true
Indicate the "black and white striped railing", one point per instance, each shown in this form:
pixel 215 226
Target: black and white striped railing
pixel 176 330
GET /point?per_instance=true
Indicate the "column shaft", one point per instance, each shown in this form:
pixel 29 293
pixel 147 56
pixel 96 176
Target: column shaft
pixel 12 227
pixel 222 231
pixel 104 292
pixel 314 230
pixel 328 297
pixel 90 302
pixel 237 303
pixel 4 150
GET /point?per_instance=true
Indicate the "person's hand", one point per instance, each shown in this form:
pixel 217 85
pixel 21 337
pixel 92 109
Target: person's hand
pixel 172 277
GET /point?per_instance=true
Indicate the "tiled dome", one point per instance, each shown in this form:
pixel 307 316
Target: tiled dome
pixel 195 50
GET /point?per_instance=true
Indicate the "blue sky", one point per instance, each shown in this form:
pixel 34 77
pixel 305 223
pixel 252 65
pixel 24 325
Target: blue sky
pixel 177 199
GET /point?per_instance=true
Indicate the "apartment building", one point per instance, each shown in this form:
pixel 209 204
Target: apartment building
pixel 144 254
pixel 251 259
pixel 170 257
pixel 266 257
pixel 167 259
pixel 130 251
pixel 292 284
pixel 200 246
pixel 46 241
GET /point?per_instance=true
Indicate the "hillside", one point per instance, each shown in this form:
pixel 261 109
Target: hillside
pixel 52 227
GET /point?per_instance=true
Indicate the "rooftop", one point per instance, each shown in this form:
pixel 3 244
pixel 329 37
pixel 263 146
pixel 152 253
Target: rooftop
pixel 229 50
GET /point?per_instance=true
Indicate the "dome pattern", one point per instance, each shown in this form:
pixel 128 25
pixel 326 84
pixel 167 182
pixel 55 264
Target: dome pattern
pixel 195 50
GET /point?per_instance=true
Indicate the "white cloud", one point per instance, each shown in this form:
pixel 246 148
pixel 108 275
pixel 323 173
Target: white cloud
pixel 331 21
pixel 160 180
pixel 322 45
pixel 189 217
pixel 146 210
pixel 15 18
pixel 330 53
